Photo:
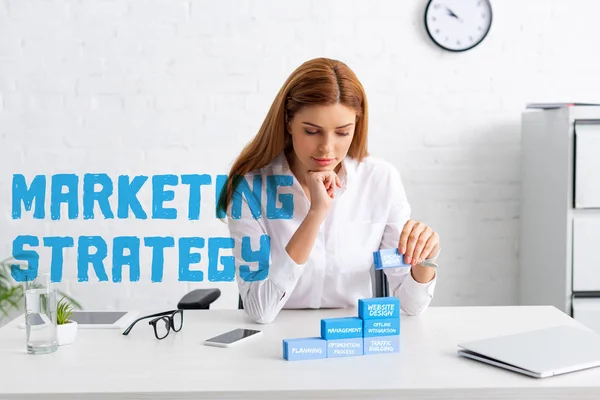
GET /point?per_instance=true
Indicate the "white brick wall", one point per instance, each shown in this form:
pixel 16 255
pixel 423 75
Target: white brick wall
pixel 171 86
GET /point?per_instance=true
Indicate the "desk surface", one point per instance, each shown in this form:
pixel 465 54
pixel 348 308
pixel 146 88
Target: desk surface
pixel 106 364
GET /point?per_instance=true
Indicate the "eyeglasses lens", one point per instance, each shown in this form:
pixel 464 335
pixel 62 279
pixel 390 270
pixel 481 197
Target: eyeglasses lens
pixel 162 327
pixel 177 321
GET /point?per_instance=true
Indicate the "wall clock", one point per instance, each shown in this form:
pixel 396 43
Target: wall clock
pixel 458 25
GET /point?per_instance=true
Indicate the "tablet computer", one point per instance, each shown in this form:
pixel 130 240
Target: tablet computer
pixel 104 319
pixel 97 319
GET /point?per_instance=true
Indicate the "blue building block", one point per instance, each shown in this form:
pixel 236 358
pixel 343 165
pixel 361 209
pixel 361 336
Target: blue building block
pixel 389 258
pixel 381 327
pixel 341 328
pixel 381 345
pixel 310 348
pixel 379 307
pixel 345 347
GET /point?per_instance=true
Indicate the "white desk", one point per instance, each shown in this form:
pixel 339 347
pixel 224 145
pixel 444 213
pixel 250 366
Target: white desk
pixel 103 364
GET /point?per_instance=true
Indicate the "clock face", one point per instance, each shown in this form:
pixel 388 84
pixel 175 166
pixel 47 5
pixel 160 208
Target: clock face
pixel 458 25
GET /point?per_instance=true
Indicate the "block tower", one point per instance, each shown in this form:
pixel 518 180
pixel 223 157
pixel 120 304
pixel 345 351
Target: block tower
pixel 376 330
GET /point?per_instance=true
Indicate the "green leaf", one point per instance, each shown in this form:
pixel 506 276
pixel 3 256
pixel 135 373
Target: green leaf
pixel 10 299
pixel 64 310
pixel 71 300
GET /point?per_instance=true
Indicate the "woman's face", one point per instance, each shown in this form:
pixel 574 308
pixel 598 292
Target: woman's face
pixel 321 136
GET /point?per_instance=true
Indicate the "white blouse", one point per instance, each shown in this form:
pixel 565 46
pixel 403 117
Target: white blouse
pixel 367 214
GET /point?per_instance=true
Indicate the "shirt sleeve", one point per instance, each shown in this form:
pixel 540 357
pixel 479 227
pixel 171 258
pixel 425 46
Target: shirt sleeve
pixel 265 289
pixel 414 296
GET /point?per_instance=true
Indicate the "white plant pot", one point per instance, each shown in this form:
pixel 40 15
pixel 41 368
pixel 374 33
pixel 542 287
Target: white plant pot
pixel 66 333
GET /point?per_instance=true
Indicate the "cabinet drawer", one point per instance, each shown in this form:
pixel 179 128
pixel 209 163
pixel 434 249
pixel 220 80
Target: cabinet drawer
pixel 587 311
pixel 586 254
pixel 587 165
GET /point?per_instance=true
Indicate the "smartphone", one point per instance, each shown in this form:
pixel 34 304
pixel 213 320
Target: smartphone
pixel 232 337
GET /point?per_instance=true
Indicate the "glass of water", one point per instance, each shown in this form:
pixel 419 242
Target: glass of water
pixel 40 315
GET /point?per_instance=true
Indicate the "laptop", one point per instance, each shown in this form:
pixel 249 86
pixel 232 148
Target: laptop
pixel 538 353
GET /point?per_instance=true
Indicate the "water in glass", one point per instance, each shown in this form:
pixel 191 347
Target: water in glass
pixel 40 316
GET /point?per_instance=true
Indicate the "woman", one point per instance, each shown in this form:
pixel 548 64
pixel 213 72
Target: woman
pixel 346 203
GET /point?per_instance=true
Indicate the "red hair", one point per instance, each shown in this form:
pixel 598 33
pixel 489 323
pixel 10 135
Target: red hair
pixel 320 81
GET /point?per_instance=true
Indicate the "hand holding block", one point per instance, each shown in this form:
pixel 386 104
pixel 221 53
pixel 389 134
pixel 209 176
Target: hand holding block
pixel 341 328
pixel 381 327
pixel 388 258
pixel 304 349
pixel 381 345
pixel 379 307
pixel 345 347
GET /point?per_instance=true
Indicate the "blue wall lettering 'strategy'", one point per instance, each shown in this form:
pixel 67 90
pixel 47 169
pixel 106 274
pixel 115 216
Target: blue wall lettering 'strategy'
pixel 92 256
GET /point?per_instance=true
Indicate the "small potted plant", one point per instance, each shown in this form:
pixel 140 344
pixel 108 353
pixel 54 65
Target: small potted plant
pixel 66 329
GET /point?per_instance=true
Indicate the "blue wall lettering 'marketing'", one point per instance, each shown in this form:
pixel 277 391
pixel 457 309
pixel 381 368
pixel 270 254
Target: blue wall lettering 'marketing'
pixel 33 196
pixel 92 251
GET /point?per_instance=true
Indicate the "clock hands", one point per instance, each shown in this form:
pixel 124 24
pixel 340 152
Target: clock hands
pixel 451 13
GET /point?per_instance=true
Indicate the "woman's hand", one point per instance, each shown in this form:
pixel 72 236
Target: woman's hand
pixel 418 242
pixel 321 186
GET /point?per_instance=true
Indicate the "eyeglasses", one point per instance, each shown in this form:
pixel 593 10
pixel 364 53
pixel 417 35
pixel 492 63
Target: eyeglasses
pixel 162 323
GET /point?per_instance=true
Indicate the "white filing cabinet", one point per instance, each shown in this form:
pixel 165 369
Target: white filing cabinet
pixel 560 211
